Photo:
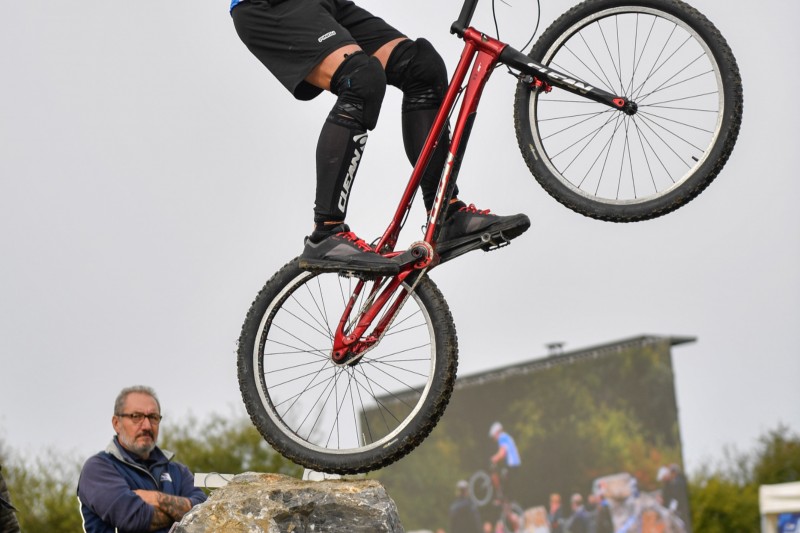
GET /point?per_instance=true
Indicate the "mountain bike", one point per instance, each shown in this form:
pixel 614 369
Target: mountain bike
pixel 624 110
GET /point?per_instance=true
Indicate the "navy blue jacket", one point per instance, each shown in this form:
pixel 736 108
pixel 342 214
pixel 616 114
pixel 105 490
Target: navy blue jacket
pixel 108 479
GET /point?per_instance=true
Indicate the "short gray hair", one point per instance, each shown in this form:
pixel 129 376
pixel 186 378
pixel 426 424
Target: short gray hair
pixel 123 395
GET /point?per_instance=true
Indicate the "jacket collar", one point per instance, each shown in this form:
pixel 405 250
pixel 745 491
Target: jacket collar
pixel 115 449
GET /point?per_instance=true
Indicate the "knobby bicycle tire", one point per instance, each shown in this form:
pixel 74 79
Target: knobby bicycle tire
pixel 343 419
pixel 604 164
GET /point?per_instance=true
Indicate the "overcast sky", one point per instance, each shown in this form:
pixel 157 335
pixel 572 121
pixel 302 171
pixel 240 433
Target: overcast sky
pixel 153 175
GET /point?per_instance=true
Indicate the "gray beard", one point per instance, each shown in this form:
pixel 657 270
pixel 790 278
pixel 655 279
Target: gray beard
pixel 141 450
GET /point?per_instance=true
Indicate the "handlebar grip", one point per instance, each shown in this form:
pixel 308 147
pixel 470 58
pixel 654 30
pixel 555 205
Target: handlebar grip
pixel 467 10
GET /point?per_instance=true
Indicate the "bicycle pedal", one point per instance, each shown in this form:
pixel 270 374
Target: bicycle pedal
pixel 494 242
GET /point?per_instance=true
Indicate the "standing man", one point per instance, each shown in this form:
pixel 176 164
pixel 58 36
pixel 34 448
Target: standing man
pixel 675 493
pixel 464 517
pixel 134 485
pixel 555 514
pixel 579 520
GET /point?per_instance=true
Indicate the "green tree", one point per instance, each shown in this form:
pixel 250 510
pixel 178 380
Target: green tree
pixel 44 492
pixel 721 504
pixel 725 498
pixel 778 456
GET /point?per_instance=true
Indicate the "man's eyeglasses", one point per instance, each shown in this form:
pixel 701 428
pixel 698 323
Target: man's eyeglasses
pixel 138 418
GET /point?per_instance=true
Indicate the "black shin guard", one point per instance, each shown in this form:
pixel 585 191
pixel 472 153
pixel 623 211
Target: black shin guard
pixel 360 85
pixel 416 125
pixel 419 71
pixel 339 153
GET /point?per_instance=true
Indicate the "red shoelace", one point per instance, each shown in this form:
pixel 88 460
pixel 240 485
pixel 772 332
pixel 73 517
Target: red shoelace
pixel 350 236
pixel 472 209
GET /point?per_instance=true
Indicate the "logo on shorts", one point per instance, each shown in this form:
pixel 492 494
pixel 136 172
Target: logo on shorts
pixel 327 36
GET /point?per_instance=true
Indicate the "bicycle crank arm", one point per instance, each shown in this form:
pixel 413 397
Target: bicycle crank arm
pixel 418 256
pixel 519 61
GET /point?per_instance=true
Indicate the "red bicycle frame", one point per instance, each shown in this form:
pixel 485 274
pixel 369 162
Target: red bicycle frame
pixel 482 53
pixel 487 51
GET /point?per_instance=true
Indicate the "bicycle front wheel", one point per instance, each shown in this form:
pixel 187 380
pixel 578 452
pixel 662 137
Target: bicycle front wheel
pixel 353 417
pixel 480 488
pixel 669 59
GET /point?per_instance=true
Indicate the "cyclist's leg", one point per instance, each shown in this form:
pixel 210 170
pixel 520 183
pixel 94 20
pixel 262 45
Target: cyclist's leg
pixel 502 493
pixel 359 83
pixel 322 74
pixel 322 56
pixel 419 71
pixel 423 88
pixel 358 80
pixel 496 474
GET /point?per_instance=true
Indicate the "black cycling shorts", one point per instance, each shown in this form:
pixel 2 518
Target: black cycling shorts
pixel 291 37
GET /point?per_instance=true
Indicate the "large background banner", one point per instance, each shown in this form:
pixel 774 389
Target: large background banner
pixel 596 422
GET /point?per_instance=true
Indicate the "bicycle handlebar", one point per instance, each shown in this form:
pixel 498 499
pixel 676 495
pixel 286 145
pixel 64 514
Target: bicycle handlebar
pixel 467 10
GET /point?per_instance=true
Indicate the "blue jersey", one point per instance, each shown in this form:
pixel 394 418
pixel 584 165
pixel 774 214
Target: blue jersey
pixel 234 3
pixel 512 454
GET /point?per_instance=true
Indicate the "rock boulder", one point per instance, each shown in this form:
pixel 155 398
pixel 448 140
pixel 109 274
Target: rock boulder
pixel 273 503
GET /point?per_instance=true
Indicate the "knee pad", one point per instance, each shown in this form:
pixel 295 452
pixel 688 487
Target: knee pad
pixel 416 68
pixel 360 84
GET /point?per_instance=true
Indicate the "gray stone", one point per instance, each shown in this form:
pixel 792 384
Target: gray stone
pixel 274 503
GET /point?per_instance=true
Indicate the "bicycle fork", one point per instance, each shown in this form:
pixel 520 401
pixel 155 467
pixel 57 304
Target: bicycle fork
pixel 351 341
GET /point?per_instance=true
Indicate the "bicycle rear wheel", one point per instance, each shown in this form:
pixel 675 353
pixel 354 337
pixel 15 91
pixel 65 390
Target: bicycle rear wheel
pixel 669 59
pixel 512 516
pixel 349 418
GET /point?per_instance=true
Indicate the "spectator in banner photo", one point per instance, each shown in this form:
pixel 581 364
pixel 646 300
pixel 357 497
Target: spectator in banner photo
pixel 535 520
pixel 675 493
pixel 497 527
pixel 652 521
pixel 8 520
pixel 603 523
pixel 464 516
pixel 505 463
pixel 133 485
pixel 555 514
pixel 594 501
pixel 578 521
pixel 602 518
pixel 590 506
